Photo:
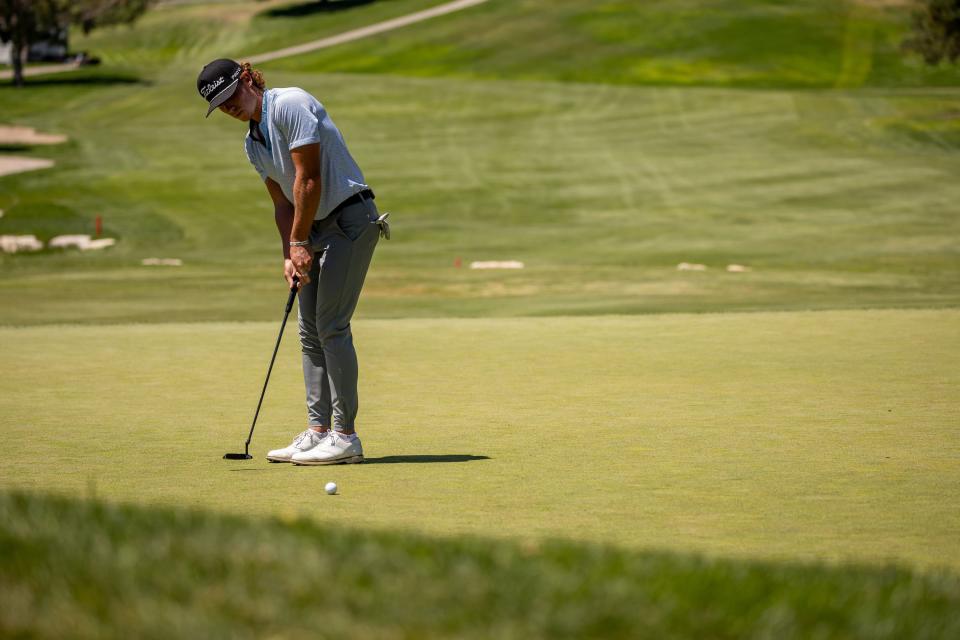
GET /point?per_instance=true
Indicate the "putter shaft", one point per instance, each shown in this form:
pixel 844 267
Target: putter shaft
pixel 286 314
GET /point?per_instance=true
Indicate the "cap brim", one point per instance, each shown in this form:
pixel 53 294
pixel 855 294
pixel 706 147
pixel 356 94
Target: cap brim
pixel 225 94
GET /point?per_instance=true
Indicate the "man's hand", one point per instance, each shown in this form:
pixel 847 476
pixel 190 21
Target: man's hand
pixel 289 272
pixel 301 259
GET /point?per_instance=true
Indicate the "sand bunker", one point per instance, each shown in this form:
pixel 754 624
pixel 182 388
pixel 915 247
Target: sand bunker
pixel 28 136
pixel 25 136
pixel 17 164
pixel 80 241
pixel 16 244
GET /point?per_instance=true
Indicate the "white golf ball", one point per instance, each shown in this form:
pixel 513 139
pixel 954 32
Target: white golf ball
pixel 331 488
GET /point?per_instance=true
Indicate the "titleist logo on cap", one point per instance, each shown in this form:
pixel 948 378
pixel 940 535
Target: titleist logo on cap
pixel 210 87
pixel 218 81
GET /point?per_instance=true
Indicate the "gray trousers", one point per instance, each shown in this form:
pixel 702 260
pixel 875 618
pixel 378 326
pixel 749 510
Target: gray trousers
pixel 342 253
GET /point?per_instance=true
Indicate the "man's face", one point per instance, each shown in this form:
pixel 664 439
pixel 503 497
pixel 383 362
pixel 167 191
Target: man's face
pixel 242 105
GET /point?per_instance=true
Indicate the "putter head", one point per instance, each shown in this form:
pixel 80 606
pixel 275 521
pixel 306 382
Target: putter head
pixel 237 456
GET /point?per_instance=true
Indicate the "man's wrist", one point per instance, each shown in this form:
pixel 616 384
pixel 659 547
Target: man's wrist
pixel 299 243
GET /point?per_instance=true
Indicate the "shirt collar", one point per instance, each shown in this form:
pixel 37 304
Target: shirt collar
pixel 263 127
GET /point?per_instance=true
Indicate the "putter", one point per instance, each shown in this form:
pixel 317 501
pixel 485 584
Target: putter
pixel 246 447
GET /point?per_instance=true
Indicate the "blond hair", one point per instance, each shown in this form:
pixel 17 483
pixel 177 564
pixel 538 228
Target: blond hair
pixel 254 74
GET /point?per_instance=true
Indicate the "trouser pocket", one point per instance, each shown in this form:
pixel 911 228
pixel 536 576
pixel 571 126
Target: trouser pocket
pixel 356 220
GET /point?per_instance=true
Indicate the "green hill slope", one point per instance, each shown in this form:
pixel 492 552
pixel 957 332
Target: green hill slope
pixel 758 43
pixel 752 43
pixel 188 34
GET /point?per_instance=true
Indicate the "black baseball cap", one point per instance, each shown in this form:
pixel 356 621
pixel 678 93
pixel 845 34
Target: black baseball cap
pixel 217 82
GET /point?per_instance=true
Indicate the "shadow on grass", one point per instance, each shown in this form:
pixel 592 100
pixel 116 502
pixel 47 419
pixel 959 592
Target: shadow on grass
pixel 415 459
pixel 418 459
pixel 310 8
pixel 77 79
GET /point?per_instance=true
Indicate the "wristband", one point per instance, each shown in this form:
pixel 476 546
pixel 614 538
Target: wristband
pixel 299 243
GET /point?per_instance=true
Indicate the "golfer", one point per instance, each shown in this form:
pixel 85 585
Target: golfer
pixel 328 226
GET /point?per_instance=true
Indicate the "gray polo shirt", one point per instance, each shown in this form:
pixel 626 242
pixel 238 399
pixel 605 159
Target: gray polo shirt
pixel 292 118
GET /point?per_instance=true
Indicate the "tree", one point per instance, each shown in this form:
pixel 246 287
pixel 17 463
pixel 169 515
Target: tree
pixel 24 22
pixel 936 31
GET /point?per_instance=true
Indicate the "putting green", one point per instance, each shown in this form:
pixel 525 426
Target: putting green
pixel 829 435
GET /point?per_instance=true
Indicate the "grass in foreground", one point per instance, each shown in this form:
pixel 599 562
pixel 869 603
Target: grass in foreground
pixel 101 570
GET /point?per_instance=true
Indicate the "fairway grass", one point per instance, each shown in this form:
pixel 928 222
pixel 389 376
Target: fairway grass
pixel 780 436
pixel 834 200
pixel 812 153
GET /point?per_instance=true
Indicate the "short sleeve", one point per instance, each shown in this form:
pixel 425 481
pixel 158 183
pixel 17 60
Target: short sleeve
pixel 253 160
pixel 295 118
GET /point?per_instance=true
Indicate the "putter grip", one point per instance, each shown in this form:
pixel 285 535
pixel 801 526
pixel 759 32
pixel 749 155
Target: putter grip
pixel 293 293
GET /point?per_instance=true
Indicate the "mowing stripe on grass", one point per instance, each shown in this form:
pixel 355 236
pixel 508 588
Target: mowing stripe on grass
pixel 601 191
pixel 364 32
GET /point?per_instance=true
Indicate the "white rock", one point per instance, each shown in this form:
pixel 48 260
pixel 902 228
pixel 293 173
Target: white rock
pixel 162 262
pixel 497 264
pixel 737 268
pixel 688 266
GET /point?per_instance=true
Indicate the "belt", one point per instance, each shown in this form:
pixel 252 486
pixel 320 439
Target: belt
pixel 366 194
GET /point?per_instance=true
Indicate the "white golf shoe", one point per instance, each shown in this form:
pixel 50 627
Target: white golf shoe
pixel 335 449
pixel 303 442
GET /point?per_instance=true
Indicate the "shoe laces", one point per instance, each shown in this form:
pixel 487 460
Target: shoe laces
pixel 307 434
pixel 338 439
